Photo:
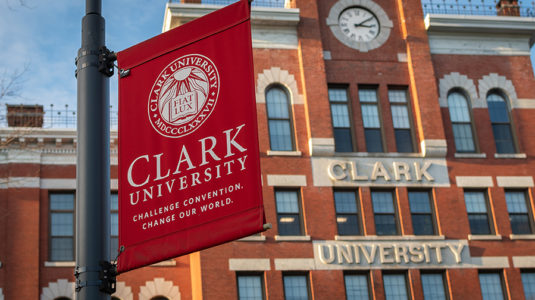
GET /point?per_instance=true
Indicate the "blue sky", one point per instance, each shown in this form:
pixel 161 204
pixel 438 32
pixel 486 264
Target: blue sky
pixel 46 36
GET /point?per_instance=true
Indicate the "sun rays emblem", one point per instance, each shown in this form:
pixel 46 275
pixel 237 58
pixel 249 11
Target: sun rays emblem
pixel 183 95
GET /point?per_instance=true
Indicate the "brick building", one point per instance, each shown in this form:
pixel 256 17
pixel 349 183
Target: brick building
pixel 397 159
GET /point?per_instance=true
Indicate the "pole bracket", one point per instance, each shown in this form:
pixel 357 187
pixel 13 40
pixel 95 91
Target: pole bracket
pixel 106 58
pixel 107 273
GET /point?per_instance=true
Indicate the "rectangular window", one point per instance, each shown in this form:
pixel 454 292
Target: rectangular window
pixel 528 281
pixel 343 141
pixel 347 218
pixel 371 119
pixel 114 236
pixel 401 120
pixel 491 286
pixel 433 286
pixel 356 286
pixel 384 213
pixel 288 212
pixel 478 212
pixel 61 226
pixel 395 287
pixel 519 208
pixel 250 287
pixel 295 286
pixel 422 213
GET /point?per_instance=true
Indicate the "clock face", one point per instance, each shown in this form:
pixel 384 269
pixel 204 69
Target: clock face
pixel 359 24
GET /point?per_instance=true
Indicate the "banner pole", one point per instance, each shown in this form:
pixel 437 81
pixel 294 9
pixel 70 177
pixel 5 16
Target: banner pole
pixel 93 159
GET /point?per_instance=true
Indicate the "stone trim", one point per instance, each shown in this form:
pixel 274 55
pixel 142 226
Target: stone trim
pixel 522 237
pixel 495 81
pixel 321 146
pixel 165 263
pixel 470 155
pixel 253 238
pixel 510 155
pixel 283 153
pixel 515 181
pixel 19 183
pixel 524 261
pixel 474 181
pixel 457 80
pixel 388 238
pixel 60 264
pixel 60 288
pixel 292 238
pixel 484 237
pixel 123 292
pixel 434 148
pixel 276 75
pixel 249 264
pixel 159 287
pixel 286 180
pixel 294 264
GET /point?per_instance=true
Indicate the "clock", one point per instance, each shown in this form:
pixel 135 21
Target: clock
pixel 360 24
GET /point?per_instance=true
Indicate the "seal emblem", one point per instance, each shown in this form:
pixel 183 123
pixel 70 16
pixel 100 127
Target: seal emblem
pixel 183 95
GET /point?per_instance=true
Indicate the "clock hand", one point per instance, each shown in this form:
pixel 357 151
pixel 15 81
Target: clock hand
pixel 360 24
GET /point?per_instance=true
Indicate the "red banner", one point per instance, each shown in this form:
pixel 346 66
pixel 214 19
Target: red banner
pixel 189 171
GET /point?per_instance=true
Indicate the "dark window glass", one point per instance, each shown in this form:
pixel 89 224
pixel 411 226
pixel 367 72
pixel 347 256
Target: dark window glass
pixel 346 212
pixel 395 287
pixel 433 286
pixel 401 120
pixel 62 226
pixel 295 287
pixel 341 120
pixel 461 122
pixel 288 212
pixel 371 120
pixel 356 286
pixel 250 287
pixel 517 206
pixel 279 120
pixel 501 124
pixel 114 236
pixel 159 298
pixel 491 286
pixel 528 281
pixel 478 216
pixel 384 213
pixel 422 213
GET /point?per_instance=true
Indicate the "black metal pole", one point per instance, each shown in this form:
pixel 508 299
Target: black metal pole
pixel 93 159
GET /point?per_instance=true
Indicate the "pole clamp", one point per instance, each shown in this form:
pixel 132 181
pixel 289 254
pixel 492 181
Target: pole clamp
pixel 106 58
pixel 107 273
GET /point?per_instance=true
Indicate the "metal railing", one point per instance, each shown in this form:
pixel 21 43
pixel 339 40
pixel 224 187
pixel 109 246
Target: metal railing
pixel 473 7
pixel 258 3
pixel 55 117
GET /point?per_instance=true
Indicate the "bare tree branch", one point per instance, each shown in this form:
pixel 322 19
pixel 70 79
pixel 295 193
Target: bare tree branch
pixel 11 82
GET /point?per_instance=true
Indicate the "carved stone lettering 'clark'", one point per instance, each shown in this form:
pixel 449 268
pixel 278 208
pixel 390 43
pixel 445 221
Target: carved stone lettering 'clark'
pixel 397 171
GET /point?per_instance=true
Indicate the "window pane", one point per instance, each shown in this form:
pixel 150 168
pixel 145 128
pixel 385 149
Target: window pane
pixel 61 224
pixel 458 107
pixel 403 140
pixel 250 287
pixel 382 202
pixel 423 224
pixel 520 223
pixel 491 286
pixel 61 201
pixel 114 247
pixel 516 202
pixel 462 133
pixel 475 202
pixel 340 115
pixel 356 287
pixel 338 94
pixel 395 287
pixel 289 224
pixel 277 103
pixel 528 281
pixel 368 95
pixel 114 224
pixel 295 287
pixel 503 138
pixel 287 201
pixel 385 225
pixel 397 96
pixel 498 111
pixel 479 224
pixel 61 249
pixel 400 117
pixel 433 287
pixel 347 224
pixel 419 202
pixel 370 116
pixel 342 140
pixel 280 135
pixel 345 201
pixel 114 199
pixel 374 142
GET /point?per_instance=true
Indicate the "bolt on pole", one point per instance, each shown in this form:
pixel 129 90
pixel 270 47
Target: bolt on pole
pixel 93 159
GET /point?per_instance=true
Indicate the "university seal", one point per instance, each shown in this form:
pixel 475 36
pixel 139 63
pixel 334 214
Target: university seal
pixel 183 95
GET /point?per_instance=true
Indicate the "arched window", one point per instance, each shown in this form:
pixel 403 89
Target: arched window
pixel 501 122
pixel 461 122
pixel 279 119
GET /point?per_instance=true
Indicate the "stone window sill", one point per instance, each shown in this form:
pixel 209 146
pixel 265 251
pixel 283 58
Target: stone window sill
pixel 388 237
pixel 522 236
pixel 510 155
pixel 283 153
pixel 484 237
pixel 253 238
pixel 165 263
pixel 470 155
pixel 292 238
pixel 60 264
